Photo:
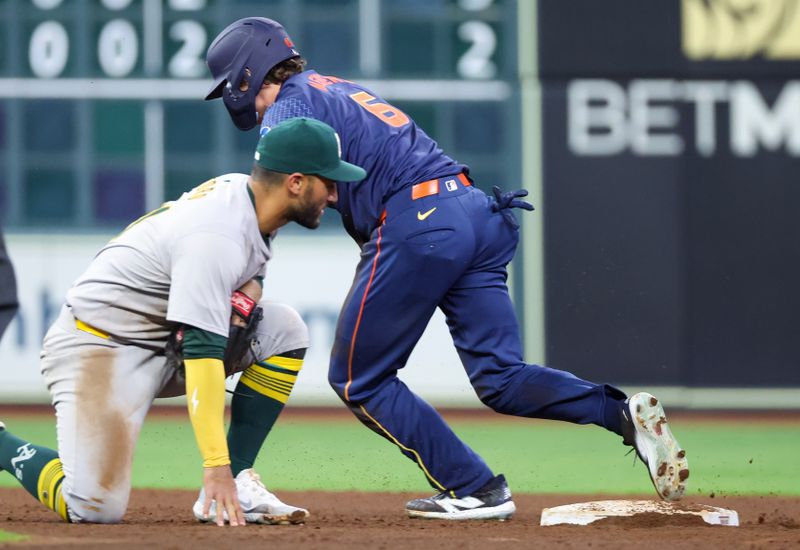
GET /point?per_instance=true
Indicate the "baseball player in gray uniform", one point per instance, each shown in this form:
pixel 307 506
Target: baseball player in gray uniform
pixel 173 280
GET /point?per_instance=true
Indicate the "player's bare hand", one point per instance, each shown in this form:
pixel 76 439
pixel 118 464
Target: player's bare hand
pixel 221 488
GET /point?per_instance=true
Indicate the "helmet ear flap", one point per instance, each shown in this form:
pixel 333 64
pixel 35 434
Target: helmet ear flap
pixel 240 100
pixel 244 82
pixel 242 113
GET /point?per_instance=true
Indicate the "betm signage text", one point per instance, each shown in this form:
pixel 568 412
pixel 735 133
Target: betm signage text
pixel 605 117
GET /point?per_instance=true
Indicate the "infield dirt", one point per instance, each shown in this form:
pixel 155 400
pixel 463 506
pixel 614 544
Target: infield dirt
pixel 163 519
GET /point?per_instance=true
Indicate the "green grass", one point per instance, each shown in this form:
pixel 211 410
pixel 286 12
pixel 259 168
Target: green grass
pixel 5 536
pixel 541 457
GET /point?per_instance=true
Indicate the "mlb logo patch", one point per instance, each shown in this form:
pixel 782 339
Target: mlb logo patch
pixel 451 185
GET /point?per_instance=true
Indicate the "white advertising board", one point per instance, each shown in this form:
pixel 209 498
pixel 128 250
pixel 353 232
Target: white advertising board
pixel 312 273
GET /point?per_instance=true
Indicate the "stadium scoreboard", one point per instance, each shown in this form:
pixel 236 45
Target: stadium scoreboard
pixel 102 114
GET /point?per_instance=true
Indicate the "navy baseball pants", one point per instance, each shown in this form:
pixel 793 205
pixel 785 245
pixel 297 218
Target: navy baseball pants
pixel 446 250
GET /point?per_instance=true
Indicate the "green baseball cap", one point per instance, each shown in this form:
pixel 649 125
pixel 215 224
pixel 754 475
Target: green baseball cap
pixel 308 146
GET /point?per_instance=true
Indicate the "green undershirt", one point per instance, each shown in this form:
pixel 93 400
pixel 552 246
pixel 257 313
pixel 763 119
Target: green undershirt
pixel 202 344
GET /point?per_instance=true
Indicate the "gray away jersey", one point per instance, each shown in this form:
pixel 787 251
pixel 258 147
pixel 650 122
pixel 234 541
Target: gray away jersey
pixel 178 264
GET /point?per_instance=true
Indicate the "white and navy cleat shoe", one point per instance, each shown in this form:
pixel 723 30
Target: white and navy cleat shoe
pixel 258 504
pixel 645 428
pixel 492 501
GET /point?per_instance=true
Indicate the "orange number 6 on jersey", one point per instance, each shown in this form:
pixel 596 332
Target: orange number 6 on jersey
pixel 390 115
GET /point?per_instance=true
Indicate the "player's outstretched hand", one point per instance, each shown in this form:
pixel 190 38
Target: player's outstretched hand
pixel 509 199
pixel 221 488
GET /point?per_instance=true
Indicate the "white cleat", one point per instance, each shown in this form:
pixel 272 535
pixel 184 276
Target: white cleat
pixel 258 504
pixel 645 428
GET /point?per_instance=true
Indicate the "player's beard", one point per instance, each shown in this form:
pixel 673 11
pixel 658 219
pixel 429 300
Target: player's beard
pixel 307 213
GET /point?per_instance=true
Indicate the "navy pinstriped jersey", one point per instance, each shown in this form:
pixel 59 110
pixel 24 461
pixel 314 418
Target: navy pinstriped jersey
pixel 394 151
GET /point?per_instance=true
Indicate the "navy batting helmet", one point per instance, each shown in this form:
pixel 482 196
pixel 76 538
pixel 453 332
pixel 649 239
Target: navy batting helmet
pixel 240 58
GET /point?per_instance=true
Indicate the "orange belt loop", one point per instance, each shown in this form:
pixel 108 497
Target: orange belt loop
pixel 431 187
pixel 424 189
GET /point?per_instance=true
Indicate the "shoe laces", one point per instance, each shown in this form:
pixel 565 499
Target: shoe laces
pixel 253 482
pixel 444 495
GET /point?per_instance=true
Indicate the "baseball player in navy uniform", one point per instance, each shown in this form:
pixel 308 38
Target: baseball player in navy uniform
pixel 151 317
pixel 429 239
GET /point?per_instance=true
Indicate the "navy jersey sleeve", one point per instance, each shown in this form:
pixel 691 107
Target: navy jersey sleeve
pixel 283 109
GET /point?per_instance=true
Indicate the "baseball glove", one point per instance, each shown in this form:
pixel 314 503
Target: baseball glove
pixel 241 335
